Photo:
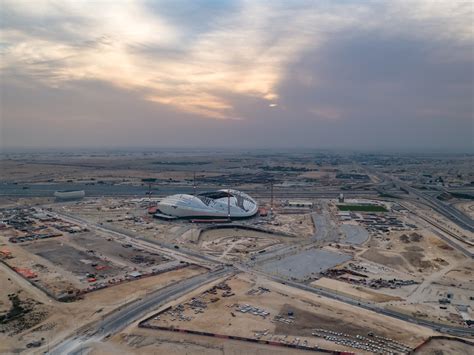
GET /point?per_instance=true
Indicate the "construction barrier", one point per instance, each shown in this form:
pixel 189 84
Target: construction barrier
pixel 144 324
pixel 244 227
pixel 35 284
pixel 30 275
pixel 440 337
pixel 5 253
pixel 239 338
pixel 26 272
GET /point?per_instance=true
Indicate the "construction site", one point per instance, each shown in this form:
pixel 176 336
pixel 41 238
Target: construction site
pixel 248 309
pixel 71 260
pixel 323 273
pixel 236 177
pixel 31 319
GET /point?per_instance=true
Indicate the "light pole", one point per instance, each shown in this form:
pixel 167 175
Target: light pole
pixel 228 204
pixel 271 199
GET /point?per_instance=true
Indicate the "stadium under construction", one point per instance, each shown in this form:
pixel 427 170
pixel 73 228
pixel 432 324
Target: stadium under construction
pixel 225 203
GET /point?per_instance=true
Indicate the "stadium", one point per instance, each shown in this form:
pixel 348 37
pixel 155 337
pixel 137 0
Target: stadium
pixel 214 204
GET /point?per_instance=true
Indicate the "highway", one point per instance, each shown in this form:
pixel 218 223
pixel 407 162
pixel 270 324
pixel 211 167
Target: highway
pixel 448 211
pixel 99 190
pixel 324 234
pixel 435 227
pixel 127 315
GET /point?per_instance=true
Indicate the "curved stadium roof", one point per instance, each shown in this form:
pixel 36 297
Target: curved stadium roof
pixel 209 204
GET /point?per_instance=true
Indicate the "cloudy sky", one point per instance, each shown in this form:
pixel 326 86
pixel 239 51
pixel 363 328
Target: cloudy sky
pixel 394 75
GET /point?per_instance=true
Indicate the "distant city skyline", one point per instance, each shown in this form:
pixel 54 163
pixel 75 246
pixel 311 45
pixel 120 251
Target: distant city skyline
pixel 364 75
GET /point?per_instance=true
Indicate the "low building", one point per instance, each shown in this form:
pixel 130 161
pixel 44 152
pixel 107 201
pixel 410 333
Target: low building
pixel 300 203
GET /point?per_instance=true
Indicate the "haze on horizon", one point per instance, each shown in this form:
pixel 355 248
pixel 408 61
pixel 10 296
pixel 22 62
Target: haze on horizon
pixel 314 74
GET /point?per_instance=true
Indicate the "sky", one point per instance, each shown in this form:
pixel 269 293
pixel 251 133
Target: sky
pixel 375 75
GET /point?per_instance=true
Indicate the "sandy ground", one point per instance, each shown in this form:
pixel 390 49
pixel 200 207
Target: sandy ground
pixel 445 347
pixel 358 292
pixel 445 222
pixel 7 202
pixel 437 268
pixel 310 311
pixel 417 257
pixel 300 225
pixel 108 168
pixel 50 276
pixel 32 299
pixel 145 341
pixel 237 243
pixel 229 244
pixel 458 280
pixel 66 263
pixel 466 207
pixel 64 318
pixel 127 215
pixel 124 214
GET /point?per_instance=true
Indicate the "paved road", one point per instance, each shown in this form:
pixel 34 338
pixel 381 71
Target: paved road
pixel 131 313
pixel 458 331
pixel 47 190
pixel 448 211
pixel 182 251
pixel 354 234
pixel 132 238
pixel 435 326
pixel 435 228
pixel 114 322
pixel 324 232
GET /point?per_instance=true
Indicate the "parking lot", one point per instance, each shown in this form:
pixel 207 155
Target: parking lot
pixel 304 264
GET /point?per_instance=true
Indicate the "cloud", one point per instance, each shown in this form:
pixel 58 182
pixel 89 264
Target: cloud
pixel 326 113
pixel 233 56
pixel 250 63
pixel 245 52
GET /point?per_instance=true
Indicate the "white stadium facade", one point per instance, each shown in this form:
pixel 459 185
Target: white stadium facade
pixel 214 204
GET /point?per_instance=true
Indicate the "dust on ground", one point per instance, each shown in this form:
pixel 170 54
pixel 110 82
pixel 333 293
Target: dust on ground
pixel 223 311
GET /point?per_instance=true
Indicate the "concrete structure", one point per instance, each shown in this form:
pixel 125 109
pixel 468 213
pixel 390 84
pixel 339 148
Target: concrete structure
pixel 214 204
pixel 69 194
